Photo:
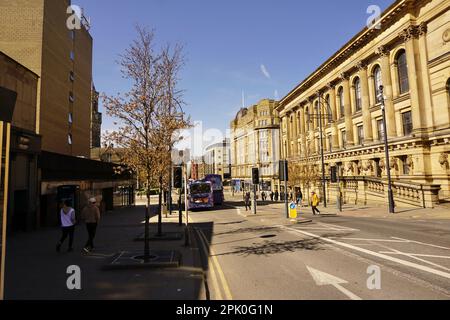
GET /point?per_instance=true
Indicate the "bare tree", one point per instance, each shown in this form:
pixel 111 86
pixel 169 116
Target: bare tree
pixel 149 114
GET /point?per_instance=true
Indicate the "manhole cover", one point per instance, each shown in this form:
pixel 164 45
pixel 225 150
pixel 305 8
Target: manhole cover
pixel 151 257
pixel 268 236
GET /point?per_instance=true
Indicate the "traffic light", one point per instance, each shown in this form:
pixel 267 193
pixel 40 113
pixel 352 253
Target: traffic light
pixel 255 176
pixel 283 170
pixel 178 177
pixel 333 174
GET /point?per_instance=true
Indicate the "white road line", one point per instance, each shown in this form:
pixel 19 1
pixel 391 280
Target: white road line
pixel 372 253
pixel 422 243
pixel 416 255
pixel 337 228
pixel 374 240
pixel 416 258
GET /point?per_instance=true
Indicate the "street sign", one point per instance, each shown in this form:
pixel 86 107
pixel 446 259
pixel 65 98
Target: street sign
pixel 293 210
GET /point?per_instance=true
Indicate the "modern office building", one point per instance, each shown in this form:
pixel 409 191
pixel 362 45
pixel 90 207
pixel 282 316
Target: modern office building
pixel 410 56
pixel 217 159
pixel 255 140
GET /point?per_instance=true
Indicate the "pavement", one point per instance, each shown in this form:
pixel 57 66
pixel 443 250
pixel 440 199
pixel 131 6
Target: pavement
pixel 35 271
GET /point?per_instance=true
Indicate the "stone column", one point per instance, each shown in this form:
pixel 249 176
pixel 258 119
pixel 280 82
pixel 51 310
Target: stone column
pixel 295 133
pixel 418 116
pixel 425 75
pixel 367 118
pixel 348 111
pixel 334 128
pixel 303 130
pixel 387 84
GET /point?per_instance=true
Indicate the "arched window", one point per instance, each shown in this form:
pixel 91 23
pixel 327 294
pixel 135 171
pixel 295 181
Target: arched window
pixel 377 81
pixel 358 101
pixel 316 111
pixel 307 117
pixel 448 92
pixel 341 102
pixel 402 68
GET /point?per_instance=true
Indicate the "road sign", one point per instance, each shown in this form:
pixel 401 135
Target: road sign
pixel 293 211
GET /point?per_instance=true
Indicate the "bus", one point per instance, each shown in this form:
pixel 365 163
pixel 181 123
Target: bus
pixel 217 185
pixel 200 195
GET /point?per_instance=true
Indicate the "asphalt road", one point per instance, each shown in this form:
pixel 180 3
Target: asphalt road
pixel 268 257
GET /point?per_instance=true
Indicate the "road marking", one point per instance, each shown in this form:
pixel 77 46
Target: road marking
pixel 337 228
pixel 218 294
pixel 422 243
pixel 372 253
pixel 416 255
pixel 324 279
pixel 374 240
pixel 216 264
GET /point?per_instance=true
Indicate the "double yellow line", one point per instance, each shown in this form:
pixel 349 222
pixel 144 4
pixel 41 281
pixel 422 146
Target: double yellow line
pixel 220 284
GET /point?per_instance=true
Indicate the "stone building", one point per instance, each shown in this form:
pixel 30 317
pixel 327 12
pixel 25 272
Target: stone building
pixel 410 56
pixel 255 136
pixel 35 33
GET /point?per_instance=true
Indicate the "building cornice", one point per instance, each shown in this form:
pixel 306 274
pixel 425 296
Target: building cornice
pixel 364 37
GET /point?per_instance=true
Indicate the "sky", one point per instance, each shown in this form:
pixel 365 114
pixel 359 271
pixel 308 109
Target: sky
pixel 236 51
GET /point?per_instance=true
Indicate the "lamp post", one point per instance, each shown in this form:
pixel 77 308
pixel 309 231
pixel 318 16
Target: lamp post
pixel 322 116
pixel 386 150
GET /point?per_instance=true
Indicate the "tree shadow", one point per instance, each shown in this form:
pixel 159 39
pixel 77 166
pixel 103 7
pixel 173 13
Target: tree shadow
pixel 249 230
pixel 268 248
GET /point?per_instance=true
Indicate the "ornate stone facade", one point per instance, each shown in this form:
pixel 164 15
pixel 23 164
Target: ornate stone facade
pixel 408 57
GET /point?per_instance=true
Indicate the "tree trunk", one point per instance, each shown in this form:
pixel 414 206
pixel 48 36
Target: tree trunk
pixel 160 208
pixel 147 224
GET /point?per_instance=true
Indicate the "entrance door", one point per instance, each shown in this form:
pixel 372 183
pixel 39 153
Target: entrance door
pixel 20 214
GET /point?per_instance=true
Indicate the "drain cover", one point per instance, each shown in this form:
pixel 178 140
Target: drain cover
pixel 268 236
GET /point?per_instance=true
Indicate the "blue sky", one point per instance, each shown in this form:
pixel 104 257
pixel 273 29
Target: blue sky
pixel 261 47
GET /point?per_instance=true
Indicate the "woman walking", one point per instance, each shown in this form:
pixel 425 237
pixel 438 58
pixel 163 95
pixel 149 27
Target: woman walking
pixel 67 215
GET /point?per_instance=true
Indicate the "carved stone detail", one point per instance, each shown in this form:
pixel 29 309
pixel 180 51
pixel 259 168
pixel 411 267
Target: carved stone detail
pixel 443 161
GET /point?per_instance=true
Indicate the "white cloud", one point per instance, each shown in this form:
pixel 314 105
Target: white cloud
pixel 265 72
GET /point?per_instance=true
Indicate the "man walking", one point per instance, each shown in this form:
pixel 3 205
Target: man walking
pixel 247 201
pixel 91 216
pixel 314 203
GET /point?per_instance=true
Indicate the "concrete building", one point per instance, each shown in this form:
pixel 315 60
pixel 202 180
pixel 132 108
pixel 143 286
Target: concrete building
pixel 198 168
pixel 23 195
pixel 217 159
pixel 35 33
pixel 255 140
pixel 410 56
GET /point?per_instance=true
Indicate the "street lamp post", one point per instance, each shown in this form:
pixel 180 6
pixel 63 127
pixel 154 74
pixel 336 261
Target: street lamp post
pixel 386 150
pixel 322 116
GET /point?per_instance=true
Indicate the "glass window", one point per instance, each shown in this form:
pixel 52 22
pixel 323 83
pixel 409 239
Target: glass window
pixel 72 55
pixel 380 128
pixel 70 118
pixel 407 123
pixel 330 143
pixel 72 76
pixel 71 98
pixel 360 130
pixel 341 102
pixel 377 83
pixel 344 138
pixel 405 166
pixel 402 67
pixel 69 139
pixel 358 95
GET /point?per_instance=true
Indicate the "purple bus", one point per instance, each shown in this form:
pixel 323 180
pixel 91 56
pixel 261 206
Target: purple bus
pixel 217 186
pixel 200 195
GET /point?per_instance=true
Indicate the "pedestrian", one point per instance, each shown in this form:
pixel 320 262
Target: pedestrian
pixel 247 201
pixel 277 195
pixel 263 196
pixel 299 198
pixel 271 196
pixel 91 216
pixel 315 203
pixel 68 220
